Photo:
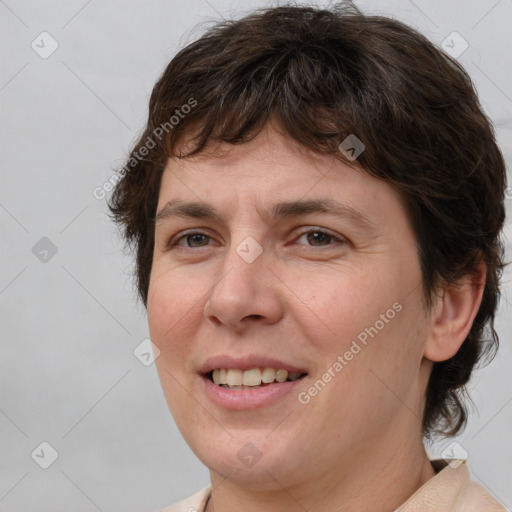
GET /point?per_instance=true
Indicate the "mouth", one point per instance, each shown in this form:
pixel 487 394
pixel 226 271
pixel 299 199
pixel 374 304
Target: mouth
pixel 253 378
pixel 249 382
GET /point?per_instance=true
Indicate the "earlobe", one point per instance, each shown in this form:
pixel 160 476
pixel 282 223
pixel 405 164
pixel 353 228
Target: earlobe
pixel 453 315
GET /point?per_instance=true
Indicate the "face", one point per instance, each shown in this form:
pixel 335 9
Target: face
pixel 295 262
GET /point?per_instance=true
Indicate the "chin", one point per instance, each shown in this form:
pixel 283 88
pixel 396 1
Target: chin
pixel 244 458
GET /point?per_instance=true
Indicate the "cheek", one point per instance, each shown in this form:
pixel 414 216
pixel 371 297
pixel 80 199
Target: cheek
pixel 372 321
pixel 173 311
pixel 173 300
pixel 169 311
pixel 340 305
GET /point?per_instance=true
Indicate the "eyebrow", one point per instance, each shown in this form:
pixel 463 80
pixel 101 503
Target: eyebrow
pixel 283 209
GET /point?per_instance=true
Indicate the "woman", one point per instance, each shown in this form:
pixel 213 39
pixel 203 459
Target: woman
pixel 316 205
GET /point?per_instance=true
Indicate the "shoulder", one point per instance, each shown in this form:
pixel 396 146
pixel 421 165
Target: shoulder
pixel 476 497
pixel 451 490
pixel 195 503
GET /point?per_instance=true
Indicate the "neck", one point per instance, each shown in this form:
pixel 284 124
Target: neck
pixel 375 483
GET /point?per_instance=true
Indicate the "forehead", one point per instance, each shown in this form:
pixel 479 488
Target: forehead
pixel 271 144
pixel 275 174
pixel 270 157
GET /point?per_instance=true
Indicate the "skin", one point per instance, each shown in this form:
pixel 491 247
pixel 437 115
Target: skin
pixel 357 445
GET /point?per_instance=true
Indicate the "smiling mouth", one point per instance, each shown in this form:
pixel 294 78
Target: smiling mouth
pixel 234 378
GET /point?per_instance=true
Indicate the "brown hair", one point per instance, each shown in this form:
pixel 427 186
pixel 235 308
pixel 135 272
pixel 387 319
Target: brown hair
pixel 326 74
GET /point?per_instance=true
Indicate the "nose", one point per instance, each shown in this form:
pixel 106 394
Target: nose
pixel 245 293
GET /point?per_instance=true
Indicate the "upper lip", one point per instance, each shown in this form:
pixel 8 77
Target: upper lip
pixel 247 363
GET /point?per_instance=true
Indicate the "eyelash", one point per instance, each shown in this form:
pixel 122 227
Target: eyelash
pixel 315 230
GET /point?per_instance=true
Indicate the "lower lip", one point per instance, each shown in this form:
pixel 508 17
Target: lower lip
pixel 243 399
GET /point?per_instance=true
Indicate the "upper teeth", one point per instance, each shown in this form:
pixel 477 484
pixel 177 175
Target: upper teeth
pixel 252 377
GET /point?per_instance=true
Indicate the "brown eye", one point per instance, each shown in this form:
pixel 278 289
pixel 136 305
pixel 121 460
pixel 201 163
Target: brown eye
pixel 319 238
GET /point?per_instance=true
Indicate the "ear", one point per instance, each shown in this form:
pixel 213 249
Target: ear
pixel 453 314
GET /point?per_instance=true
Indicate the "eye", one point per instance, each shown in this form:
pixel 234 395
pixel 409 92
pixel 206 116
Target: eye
pixel 316 237
pixel 319 237
pixel 191 239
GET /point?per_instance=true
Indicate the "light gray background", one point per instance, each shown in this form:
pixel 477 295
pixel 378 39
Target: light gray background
pixel 69 325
